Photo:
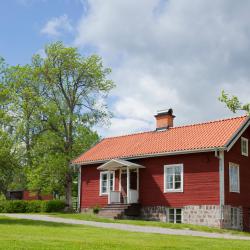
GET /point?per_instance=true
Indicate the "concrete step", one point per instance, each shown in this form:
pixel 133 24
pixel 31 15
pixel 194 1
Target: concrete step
pixel 118 210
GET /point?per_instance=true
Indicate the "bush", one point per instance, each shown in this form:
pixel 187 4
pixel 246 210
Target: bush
pixel 16 206
pixel 96 209
pixel 35 206
pixel 53 206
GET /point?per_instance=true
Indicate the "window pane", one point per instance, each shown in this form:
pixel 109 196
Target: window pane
pixel 171 211
pixel 177 177
pixel 178 211
pixel 178 219
pixel 104 177
pixel 104 186
pixel 170 185
pixel 111 185
pixel 177 185
pixel 170 171
pixel 178 170
pixel 171 218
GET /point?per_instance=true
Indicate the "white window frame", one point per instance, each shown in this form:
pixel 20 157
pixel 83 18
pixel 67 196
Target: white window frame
pixel 235 224
pixel 108 180
pixel 244 140
pixel 234 165
pixel 173 190
pixel 168 219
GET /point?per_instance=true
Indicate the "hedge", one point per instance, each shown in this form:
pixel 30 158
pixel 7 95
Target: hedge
pixel 36 206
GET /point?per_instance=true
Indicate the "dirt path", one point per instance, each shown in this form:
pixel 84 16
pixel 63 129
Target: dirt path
pixel 125 227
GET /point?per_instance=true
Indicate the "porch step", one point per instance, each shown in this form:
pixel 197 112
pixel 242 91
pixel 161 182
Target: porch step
pixel 118 211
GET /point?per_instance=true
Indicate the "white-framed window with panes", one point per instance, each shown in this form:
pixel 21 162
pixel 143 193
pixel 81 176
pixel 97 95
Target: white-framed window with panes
pixel 175 215
pixel 244 146
pixel 107 181
pixel 173 178
pixel 234 177
pixel 235 217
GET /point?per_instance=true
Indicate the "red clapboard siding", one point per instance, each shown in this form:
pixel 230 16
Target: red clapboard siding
pixel 242 198
pixel 234 155
pixel 90 187
pixel 201 182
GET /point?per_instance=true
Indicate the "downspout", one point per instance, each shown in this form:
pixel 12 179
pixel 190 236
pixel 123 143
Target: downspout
pixel 79 189
pixel 220 156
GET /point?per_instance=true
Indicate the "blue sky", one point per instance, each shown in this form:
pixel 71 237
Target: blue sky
pixel 163 53
pixel 21 22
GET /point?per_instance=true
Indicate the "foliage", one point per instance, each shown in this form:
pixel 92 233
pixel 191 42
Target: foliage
pixel 8 161
pixel 96 209
pixel 233 103
pixel 36 206
pixel 48 110
pixel 52 206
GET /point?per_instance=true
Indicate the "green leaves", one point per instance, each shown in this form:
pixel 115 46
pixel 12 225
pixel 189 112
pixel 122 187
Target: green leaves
pixel 233 103
pixel 51 106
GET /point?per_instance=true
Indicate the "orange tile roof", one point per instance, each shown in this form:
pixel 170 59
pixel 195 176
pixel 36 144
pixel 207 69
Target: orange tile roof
pixel 202 136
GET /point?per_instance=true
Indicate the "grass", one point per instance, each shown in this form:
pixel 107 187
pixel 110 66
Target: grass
pixel 27 234
pixel 93 217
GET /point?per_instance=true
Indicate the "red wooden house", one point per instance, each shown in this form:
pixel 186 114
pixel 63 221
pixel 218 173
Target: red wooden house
pixel 197 174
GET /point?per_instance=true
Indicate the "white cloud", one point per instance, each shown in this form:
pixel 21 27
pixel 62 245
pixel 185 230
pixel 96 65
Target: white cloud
pixel 170 53
pixel 57 25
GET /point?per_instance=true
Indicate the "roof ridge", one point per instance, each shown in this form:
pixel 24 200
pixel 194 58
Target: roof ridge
pixel 212 121
pixel 188 125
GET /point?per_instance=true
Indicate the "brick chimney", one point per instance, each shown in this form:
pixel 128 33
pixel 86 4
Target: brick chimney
pixel 164 119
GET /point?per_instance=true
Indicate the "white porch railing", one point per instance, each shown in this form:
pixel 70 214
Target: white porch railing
pixel 133 196
pixel 114 196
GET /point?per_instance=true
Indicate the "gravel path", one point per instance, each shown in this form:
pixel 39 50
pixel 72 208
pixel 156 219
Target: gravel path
pixel 125 227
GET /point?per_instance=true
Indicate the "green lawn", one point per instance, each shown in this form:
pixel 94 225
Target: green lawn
pixel 93 217
pixel 26 234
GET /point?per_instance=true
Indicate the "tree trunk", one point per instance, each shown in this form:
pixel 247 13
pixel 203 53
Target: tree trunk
pixel 68 190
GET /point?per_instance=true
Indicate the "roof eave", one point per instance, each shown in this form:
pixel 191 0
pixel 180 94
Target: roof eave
pixel 237 134
pixel 156 155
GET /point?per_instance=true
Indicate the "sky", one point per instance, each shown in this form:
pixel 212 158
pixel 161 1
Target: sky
pixel 163 53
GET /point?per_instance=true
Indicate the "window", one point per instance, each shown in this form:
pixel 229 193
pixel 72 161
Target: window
pixel 173 178
pixel 107 180
pixel 235 214
pixel 234 177
pixel 244 146
pixel 175 215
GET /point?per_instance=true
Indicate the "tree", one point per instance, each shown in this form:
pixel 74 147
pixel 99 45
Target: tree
pixel 233 103
pixel 73 90
pixel 8 162
pixel 48 110
pixel 8 156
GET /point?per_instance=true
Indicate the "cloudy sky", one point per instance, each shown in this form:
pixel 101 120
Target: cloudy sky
pixel 163 53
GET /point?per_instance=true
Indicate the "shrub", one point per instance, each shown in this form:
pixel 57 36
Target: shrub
pixel 53 206
pixel 16 206
pixel 96 209
pixel 34 206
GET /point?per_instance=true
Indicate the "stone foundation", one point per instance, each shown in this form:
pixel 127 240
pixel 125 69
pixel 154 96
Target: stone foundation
pixel 206 215
pixel 158 213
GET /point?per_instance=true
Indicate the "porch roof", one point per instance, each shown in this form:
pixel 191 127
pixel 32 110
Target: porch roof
pixel 115 164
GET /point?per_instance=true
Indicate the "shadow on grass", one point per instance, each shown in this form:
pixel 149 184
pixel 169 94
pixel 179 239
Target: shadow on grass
pixel 25 222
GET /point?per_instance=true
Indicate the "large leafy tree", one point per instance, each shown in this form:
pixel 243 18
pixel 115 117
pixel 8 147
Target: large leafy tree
pixel 52 105
pixel 73 88
pixel 233 103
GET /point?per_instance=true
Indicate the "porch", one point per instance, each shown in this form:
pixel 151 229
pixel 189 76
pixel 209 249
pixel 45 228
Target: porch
pixel 128 191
